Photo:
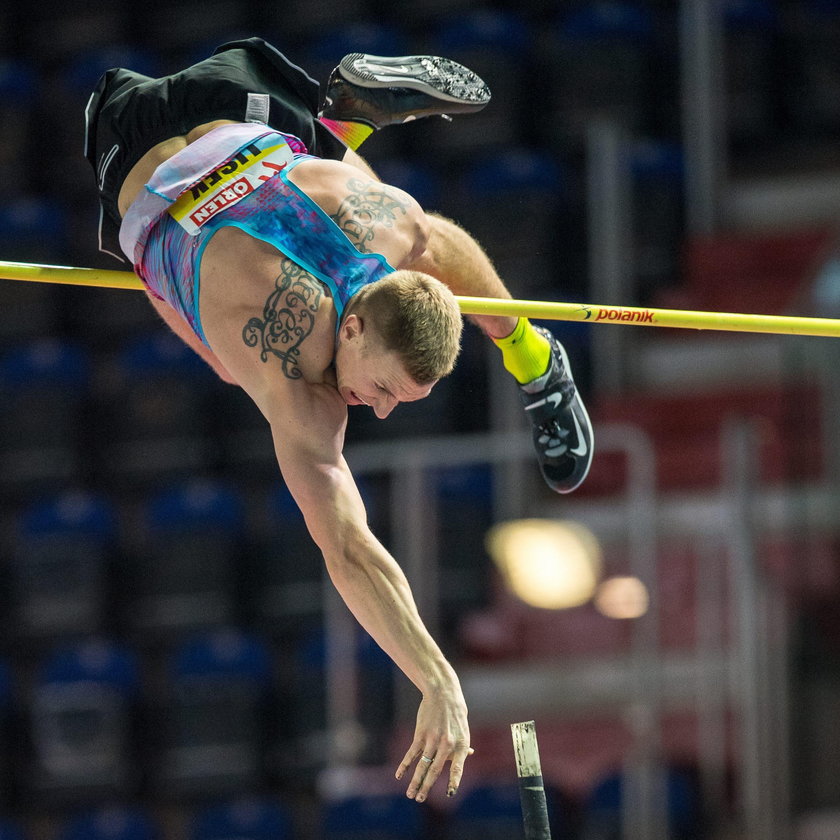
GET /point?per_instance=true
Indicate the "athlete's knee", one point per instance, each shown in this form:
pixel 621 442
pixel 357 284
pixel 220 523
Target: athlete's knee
pixel 420 231
pixel 412 223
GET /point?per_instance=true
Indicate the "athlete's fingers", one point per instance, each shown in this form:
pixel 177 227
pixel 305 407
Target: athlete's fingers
pixel 426 773
pixel 414 752
pixel 456 770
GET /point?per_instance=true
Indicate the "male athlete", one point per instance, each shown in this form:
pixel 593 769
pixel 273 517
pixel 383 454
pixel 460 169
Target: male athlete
pixel 272 249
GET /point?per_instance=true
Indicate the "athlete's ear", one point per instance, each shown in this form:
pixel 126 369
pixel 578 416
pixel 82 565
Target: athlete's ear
pixel 352 327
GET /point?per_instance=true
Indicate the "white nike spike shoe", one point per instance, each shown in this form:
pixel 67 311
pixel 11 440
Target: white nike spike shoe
pixel 381 90
pixel 563 434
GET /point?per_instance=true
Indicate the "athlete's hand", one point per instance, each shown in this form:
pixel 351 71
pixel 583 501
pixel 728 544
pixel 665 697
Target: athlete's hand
pixel 441 735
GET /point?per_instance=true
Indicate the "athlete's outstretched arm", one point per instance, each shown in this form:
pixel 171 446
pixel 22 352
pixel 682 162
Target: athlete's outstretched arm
pixel 369 580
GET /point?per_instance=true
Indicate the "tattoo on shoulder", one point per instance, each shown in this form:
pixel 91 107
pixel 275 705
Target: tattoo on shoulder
pixel 288 317
pixel 366 205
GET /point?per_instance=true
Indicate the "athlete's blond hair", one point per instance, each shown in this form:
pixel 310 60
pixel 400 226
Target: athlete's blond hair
pixel 417 317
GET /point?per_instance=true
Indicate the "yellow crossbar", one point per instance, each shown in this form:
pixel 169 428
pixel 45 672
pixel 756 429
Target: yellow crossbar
pixel 539 309
pixel 66 275
pixel 591 313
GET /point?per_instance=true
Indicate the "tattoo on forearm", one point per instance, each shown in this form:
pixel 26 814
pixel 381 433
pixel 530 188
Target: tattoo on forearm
pixel 366 205
pixel 288 317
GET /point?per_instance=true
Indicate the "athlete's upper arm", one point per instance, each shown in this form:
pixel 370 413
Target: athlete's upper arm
pixel 307 424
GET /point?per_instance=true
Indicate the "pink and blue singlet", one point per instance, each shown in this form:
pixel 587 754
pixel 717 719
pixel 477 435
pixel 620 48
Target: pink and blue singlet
pixel 236 175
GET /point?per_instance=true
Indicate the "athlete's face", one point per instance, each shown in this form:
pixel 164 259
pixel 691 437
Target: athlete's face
pixel 367 374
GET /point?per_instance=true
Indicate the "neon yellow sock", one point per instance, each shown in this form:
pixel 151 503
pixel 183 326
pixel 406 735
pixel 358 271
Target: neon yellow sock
pixel 525 352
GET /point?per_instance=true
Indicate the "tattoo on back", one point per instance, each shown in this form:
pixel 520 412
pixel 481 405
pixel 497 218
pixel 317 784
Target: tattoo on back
pixel 288 317
pixel 366 205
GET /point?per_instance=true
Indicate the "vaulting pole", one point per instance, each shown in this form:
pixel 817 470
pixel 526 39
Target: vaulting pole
pixel 588 313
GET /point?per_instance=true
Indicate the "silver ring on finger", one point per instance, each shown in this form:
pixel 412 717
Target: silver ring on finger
pixel 426 759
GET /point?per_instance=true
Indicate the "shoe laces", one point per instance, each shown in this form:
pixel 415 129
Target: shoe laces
pixel 551 436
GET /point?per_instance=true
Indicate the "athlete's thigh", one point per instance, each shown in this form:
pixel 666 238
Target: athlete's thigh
pixel 354 159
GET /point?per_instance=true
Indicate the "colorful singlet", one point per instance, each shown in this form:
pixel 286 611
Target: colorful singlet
pixel 166 230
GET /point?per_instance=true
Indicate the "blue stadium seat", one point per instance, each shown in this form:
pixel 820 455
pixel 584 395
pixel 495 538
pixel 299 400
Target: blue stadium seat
pixel 811 88
pixel 304 737
pixel 301 20
pixel 82 72
pixel 329 45
pixel 10 830
pixel 60 31
pixel 657 171
pixel 245 444
pixel 118 316
pixel 422 182
pixel 188 31
pixel 465 513
pixel 9 759
pixel 83 707
pixel 112 823
pixel 184 576
pixel 221 685
pixel 283 573
pixel 597 62
pixel 284 585
pixel 526 182
pixel 374 818
pixel 515 202
pixel 249 818
pixel 602 817
pixel 156 412
pixel 30 311
pixel 158 353
pixel 751 43
pixel 6 687
pixel 335 40
pixel 493 811
pixel 32 229
pixel 490 28
pixel 18 82
pixel 497 45
pixel 43 390
pixel 59 567
pixel 426 14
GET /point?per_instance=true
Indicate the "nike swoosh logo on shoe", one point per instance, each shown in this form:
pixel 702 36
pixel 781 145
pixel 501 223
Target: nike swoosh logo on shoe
pixel 384 69
pixel 554 399
pixel 580 449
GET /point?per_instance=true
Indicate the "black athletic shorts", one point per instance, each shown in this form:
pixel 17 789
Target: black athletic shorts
pixel 244 81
